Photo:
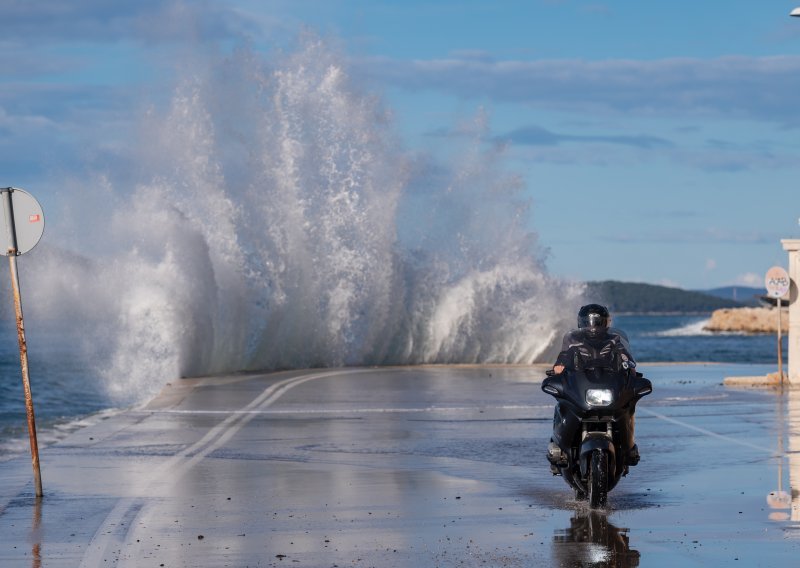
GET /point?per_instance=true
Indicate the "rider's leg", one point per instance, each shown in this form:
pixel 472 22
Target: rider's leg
pixel 633 449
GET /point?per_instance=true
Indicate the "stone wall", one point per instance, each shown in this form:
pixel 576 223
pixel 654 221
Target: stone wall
pixel 748 320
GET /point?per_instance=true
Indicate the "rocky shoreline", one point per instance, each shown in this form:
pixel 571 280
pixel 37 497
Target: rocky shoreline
pixel 748 320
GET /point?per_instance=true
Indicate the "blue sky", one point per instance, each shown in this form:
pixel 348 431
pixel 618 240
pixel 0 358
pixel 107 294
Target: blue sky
pixel 658 141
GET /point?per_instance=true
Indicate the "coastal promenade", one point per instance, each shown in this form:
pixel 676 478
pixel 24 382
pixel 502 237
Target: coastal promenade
pixel 407 466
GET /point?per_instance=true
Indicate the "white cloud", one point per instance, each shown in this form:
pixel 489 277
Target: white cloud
pixel 733 86
pixel 712 235
pixel 49 21
pixel 534 135
pixel 750 279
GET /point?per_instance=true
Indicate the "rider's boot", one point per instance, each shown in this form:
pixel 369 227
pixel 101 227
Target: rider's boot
pixel 633 456
pixel 556 458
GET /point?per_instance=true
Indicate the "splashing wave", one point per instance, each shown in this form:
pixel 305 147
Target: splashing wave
pixel 278 224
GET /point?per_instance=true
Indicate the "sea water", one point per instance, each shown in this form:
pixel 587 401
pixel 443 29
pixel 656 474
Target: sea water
pixel 683 338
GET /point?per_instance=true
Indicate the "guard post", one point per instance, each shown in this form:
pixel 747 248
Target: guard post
pixel 792 246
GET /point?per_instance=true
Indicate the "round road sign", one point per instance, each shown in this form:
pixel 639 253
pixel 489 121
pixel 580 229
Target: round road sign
pixel 26 219
pixel 777 282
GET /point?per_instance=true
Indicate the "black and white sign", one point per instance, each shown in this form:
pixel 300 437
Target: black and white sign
pixel 777 282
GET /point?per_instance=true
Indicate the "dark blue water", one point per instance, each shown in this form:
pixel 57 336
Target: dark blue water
pixel 680 338
pixel 67 388
pixel 64 387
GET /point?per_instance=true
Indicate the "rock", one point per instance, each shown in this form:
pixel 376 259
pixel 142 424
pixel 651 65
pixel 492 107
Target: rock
pixel 748 320
pixel 771 381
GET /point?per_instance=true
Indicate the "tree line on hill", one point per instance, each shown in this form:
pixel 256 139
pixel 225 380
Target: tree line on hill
pixel 630 297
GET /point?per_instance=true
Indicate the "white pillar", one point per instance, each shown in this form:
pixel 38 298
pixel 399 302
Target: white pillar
pixel 793 248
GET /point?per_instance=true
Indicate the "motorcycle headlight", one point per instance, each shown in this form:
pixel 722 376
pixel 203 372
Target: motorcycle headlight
pixel 599 397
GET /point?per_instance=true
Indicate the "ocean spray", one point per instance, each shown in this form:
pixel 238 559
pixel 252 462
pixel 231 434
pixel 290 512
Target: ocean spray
pixel 274 221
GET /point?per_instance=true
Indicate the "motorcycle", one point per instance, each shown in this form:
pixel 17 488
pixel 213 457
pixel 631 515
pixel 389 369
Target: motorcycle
pixel 592 445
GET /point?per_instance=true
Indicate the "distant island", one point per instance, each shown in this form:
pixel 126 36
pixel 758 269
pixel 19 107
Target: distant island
pixel 630 297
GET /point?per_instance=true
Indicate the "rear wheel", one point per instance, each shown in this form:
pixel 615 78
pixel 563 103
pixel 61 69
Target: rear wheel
pixel 598 479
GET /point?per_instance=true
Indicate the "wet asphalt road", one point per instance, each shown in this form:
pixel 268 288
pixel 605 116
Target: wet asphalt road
pixel 427 466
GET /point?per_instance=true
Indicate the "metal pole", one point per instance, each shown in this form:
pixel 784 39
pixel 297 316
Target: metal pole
pixel 23 345
pixel 780 343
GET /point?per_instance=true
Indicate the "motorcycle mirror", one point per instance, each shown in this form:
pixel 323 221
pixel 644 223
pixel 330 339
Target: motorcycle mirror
pixel 642 386
pixel 550 389
pixel 553 386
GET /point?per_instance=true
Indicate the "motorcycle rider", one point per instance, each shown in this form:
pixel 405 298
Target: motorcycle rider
pixel 594 339
pixel 594 330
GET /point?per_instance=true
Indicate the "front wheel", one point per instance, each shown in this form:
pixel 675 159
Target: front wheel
pixel 598 479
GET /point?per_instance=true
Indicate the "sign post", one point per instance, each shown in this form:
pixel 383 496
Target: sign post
pixel 24 223
pixel 777 283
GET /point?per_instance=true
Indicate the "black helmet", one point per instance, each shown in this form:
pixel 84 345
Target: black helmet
pixel 594 319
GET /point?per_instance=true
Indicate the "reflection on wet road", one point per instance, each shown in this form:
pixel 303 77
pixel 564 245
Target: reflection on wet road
pixel 791 430
pixel 36 533
pixel 592 540
pixel 433 466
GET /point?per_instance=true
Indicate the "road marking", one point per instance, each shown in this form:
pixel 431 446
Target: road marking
pixel 115 529
pixel 712 434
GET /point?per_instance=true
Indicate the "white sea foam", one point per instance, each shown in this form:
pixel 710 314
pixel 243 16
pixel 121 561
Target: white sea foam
pixel 690 329
pixel 694 329
pixel 12 446
pixel 272 220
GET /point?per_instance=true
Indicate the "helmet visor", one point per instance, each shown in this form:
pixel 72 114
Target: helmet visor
pixel 593 321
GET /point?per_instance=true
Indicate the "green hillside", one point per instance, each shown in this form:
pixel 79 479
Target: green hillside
pixel 649 298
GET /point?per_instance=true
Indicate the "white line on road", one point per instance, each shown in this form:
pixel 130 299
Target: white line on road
pixel 730 439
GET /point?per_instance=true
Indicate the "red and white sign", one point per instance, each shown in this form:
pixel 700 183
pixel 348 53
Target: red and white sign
pixel 18 237
pixel 777 282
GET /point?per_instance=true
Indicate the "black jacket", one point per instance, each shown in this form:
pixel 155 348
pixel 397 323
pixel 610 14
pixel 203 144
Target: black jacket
pixel 614 341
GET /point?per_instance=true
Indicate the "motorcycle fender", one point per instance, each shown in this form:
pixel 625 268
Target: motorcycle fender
pixel 592 443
